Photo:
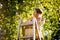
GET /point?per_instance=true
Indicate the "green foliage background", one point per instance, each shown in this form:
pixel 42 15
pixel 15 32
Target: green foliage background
pixel 25 8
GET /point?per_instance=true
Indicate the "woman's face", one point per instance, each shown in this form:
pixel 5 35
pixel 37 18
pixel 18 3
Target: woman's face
pixel 35 13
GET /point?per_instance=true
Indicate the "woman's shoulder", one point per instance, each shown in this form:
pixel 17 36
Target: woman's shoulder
pixel 41 19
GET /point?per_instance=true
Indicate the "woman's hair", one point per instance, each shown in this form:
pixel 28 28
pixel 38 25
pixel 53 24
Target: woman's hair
pixel 38 11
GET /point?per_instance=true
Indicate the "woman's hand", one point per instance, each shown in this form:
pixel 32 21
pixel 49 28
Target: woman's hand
pixel 17 15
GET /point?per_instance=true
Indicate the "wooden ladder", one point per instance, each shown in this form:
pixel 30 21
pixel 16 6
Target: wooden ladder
pixel 26 24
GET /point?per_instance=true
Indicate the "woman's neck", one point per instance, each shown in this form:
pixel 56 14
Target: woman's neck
pixel 36 17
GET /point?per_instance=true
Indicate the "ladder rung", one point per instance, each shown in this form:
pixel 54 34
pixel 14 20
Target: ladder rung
pixel 26 37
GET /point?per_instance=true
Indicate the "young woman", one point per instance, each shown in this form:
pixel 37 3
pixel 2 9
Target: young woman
pixel 37 16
